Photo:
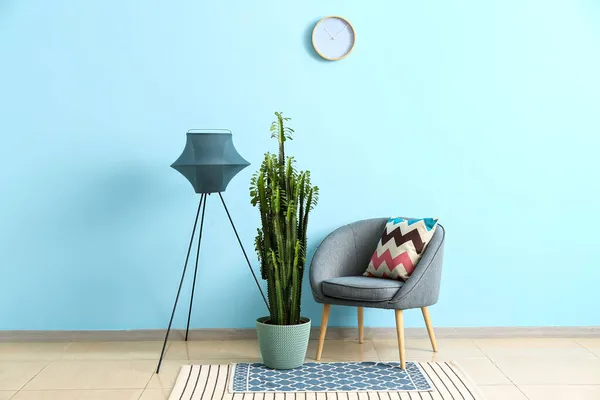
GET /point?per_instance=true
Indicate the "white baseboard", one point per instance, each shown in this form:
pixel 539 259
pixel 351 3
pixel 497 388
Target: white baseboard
pixel 332 333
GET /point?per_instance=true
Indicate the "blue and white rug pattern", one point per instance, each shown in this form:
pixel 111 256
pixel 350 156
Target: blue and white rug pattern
pixel 330 377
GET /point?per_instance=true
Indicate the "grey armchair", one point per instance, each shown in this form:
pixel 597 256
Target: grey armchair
pixel 336 278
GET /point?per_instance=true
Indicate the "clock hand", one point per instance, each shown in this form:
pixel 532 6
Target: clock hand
pixel 327 30
pixel 339 32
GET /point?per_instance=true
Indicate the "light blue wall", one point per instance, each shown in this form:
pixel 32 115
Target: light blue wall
pixel 484 113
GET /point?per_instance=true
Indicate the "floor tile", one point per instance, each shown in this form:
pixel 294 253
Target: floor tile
pixel 113 351
pixel 546 347
pixel 420 349
pixel 542 368
pixel 501 392
pixel 169 370
pixel 15 374
pixel 126 374
pixel 196 350
pixel 591 344
pixel 79 395
pixel 551 371
pixel 32 351
pixel 519 343
pixel 538 353
pixel 155 394
pixel 342 350
pixel 570 392
pixel 482 371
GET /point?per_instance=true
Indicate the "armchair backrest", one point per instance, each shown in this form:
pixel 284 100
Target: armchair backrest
pixel 366 235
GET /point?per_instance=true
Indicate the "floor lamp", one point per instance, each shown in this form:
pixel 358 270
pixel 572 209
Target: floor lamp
pixel 209 161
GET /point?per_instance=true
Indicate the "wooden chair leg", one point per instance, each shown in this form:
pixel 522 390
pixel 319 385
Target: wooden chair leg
pixel 400 333
pixel 427 319
pixel 324 321
pixel 361 324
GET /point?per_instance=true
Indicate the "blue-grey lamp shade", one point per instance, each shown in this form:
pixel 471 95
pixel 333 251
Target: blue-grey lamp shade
pixel 209 160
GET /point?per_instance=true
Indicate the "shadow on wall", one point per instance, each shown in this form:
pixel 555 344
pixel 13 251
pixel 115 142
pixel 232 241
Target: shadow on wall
pixel 108 201
pixel 310 308
pixel 307 40
pixel 101 236
pixel 5 8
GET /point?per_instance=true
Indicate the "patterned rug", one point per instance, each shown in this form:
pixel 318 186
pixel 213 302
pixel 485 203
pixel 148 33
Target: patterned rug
pixel 330 377
pixel 320 381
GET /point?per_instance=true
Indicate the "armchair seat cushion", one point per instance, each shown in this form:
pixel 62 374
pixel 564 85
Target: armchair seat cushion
pixel 361 288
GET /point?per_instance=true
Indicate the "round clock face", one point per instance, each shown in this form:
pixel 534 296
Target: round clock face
pixel 333 38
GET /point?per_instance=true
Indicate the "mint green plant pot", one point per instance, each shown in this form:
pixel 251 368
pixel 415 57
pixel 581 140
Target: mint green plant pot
pixel 283 346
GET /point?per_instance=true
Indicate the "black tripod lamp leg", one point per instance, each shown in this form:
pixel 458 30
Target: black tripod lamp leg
pixel 162 353
pixel 244 251
pixel 187 329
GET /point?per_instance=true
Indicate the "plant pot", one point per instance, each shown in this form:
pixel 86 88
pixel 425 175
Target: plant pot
pixel 283 346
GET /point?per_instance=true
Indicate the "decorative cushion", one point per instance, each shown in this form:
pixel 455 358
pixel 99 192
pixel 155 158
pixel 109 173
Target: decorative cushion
pixel 400 248
pixel 359 288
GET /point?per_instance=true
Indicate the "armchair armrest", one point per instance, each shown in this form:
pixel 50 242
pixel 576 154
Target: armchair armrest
pixel 335 257
pixel 422 289
pixel 345 252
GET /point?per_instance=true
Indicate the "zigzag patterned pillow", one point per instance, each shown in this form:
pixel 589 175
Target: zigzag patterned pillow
pixel 400 248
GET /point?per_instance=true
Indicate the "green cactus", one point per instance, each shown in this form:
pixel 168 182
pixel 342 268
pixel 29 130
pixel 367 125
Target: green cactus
pixel 284 197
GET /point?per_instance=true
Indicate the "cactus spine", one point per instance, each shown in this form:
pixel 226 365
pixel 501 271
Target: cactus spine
pixel 284 197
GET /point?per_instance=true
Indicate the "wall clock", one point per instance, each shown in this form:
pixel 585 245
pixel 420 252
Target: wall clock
pixel 333 38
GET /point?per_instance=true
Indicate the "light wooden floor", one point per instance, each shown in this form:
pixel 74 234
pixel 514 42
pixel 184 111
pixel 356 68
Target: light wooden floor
pixel 504 369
